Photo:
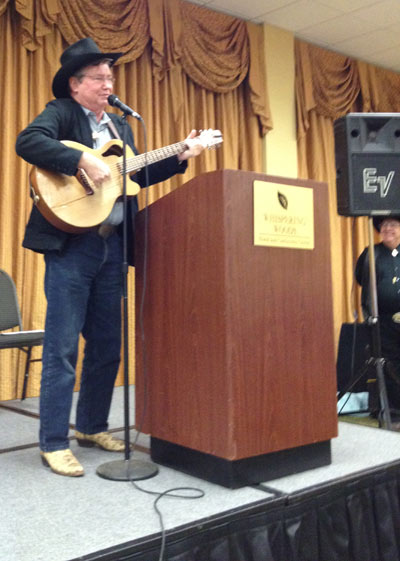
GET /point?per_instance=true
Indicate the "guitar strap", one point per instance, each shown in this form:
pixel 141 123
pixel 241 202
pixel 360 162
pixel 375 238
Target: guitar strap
pixel 113 129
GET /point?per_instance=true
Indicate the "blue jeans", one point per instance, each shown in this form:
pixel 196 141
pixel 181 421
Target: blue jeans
pixel 83 287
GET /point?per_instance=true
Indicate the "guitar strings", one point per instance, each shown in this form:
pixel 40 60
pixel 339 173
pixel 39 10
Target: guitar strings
pixel 112 184
pixel 139 159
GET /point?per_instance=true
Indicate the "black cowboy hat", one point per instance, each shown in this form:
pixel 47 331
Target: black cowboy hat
pixel 76 56
pixel 377 220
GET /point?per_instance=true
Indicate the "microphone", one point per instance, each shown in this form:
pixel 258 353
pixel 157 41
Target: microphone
pixel 114 101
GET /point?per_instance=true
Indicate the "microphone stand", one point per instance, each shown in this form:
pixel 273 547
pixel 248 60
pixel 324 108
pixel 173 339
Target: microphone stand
pixel 376 349
pixel 127 469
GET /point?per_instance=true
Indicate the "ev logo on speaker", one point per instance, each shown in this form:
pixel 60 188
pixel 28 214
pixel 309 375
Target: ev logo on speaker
pixel 372 181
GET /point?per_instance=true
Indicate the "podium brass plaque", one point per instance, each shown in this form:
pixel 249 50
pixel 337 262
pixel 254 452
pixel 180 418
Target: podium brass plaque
pixel 283 215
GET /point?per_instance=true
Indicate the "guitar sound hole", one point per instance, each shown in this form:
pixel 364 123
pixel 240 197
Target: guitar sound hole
pixel 113 150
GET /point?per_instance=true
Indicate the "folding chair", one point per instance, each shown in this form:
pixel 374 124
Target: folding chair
pixel 10 317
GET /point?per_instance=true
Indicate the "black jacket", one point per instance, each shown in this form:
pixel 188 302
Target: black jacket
pixel 387 269
pixel 38 144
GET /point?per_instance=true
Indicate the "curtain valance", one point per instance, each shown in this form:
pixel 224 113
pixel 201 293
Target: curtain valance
pixel 333 85
pixel 325 81
pixel 215 50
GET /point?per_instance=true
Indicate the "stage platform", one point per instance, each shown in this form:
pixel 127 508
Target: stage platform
pixel 348 510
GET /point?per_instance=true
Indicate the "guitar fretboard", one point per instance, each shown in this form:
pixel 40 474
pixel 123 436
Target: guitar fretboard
pixel 137 162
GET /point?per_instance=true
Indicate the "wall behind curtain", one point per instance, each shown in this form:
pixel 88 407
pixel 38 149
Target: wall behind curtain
pixel 184 68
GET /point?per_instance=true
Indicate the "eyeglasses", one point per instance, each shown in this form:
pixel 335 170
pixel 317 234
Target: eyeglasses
pixel 109 79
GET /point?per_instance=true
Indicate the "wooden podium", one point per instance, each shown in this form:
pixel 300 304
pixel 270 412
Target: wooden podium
pixel 239 384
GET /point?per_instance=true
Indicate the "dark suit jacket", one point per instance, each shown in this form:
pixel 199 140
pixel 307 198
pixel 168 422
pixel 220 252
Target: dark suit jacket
pixel 38 144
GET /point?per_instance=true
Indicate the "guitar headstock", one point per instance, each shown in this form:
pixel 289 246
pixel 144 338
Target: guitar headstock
pixel 210 138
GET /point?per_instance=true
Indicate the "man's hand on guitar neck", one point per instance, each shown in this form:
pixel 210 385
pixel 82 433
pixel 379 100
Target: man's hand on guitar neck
pixel 95 169
pixel 195 146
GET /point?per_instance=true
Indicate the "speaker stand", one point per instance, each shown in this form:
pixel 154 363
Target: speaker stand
pixel 377 360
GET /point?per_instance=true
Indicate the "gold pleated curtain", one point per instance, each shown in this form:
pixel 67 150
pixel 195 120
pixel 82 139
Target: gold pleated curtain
pixel 184 67
pixel 328 86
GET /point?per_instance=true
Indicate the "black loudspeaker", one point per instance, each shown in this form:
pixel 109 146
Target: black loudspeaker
pixel 353 354
pixel 367 155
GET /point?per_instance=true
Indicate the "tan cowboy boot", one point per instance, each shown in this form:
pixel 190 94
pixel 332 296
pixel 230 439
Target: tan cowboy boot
pixel 62 462
pixel 103 440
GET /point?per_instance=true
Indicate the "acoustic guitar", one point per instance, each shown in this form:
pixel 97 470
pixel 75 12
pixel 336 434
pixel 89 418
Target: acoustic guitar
pixel 74 204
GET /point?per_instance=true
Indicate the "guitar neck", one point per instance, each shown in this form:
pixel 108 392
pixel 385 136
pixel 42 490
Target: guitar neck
pixel 138 162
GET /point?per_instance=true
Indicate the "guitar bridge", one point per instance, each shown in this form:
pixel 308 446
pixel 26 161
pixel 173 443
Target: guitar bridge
pixel 84 181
